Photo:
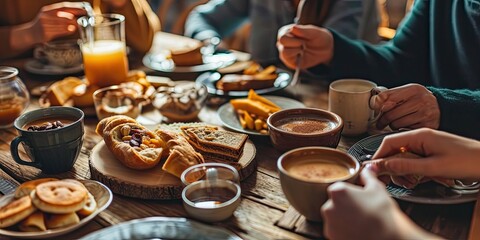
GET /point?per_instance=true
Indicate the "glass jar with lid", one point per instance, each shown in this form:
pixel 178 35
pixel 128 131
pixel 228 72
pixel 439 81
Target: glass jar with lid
pixel 14 96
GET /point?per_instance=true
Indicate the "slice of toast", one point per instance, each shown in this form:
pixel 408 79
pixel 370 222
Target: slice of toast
pixel 211 140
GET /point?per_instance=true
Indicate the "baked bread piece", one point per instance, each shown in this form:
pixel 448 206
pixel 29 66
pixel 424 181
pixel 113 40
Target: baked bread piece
pixel 61 220
pixel 218 144
pixel 59 197
pixel 90 206
pixel 187 53
pixel 33 223
pixel 107 124
pixel 241 82
pixel 132 144
pixel 181 153
pixel 27 187
pixel 16 211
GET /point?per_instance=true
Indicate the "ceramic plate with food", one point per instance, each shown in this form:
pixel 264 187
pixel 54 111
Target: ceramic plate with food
pixel 161 61
pixel 102 195
pixel 229 117
pixel 426 193
pixel 211 79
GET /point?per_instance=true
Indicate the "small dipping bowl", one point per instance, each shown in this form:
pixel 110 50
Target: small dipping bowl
pixel 212 191
pixel 117 100
pixel 181 102
pixel 302 127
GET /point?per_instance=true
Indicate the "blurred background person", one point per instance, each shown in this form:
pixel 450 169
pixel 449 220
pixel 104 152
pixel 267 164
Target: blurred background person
pixel 24 23
pixel 436 46
pixel 442 155
pixel 219 19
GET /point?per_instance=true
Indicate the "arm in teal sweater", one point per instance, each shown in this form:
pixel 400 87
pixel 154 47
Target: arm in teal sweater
pixel 459 111
pixel 402 60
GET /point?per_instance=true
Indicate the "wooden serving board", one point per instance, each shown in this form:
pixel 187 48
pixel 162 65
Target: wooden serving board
pixel 152 183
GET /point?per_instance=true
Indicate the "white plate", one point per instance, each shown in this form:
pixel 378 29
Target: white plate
pixel 229 118
pixel 426 193
pixel 159 61
pixel 162 228
pixel 102 195
pixel 35 66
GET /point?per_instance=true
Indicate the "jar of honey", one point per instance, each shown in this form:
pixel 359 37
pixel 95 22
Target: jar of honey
pixel 14 96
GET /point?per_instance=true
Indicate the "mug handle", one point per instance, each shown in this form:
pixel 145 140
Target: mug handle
pixel 373 95
pixel 14 151
pixel 39 53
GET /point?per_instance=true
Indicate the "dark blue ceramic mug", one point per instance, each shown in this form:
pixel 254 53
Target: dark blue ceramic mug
pixel 52 138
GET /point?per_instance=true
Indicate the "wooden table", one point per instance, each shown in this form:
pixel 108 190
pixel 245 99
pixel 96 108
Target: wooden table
pixel 263 202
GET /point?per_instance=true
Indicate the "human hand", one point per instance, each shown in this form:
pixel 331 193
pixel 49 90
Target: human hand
pixel 443 155
pixel 407 106
pixel 356 212
pixel 57 20
pixel 316 44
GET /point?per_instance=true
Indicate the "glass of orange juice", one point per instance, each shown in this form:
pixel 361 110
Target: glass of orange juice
pixel 103 47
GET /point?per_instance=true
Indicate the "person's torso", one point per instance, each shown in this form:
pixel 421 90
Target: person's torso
pixel 454 43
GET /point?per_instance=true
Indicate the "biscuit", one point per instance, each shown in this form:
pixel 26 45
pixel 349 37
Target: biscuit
pixel 25 188
pixel 33 223
pixel 16 211
pixel 90 206
pixel 59 197
pixel 61 220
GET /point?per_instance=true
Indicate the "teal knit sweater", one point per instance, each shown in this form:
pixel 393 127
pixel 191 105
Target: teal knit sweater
pixel 438 46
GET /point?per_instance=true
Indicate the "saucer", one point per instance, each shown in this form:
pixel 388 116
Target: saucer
pixel 37 67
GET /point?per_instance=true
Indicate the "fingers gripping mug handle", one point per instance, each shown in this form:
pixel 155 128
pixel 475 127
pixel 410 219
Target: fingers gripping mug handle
pixel 373 96
pixel 14 151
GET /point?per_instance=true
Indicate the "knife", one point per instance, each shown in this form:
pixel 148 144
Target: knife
pixel 7 186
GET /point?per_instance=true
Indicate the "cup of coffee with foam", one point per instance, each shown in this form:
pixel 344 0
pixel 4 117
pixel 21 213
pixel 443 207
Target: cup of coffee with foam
pixel 305 174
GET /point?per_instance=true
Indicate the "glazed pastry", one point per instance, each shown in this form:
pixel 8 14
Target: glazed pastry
pixel 27 187
pixel 131 143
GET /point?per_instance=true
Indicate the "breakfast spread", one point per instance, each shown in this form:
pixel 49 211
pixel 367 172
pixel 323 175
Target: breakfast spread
pixel 47 203
pixel 253 77
pixel 11 108
pixel 137 147
pixel 253 111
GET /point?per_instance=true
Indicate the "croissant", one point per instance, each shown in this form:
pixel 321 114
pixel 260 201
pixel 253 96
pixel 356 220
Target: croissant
pixel 131 143
pixel 181 154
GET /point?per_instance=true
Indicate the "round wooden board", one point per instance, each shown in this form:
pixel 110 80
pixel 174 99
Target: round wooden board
pixel 152 183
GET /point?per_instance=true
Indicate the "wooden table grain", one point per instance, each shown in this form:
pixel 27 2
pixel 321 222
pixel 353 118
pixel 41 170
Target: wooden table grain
pixel 263 202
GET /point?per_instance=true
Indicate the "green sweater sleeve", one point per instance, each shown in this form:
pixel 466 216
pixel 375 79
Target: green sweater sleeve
pixel 385 64
pixel 459 110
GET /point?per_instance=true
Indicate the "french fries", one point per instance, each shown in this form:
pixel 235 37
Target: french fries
pixel 253 111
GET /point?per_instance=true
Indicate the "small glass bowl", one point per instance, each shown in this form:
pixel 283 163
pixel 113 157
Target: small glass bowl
pixel 182 102
pixel 117 100
pixel 212 191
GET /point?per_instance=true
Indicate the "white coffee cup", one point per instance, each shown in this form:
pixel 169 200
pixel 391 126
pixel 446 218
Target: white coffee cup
pixel 351 100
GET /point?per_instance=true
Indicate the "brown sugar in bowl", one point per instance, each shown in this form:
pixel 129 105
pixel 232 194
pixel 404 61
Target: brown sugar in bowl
pixel 301 127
